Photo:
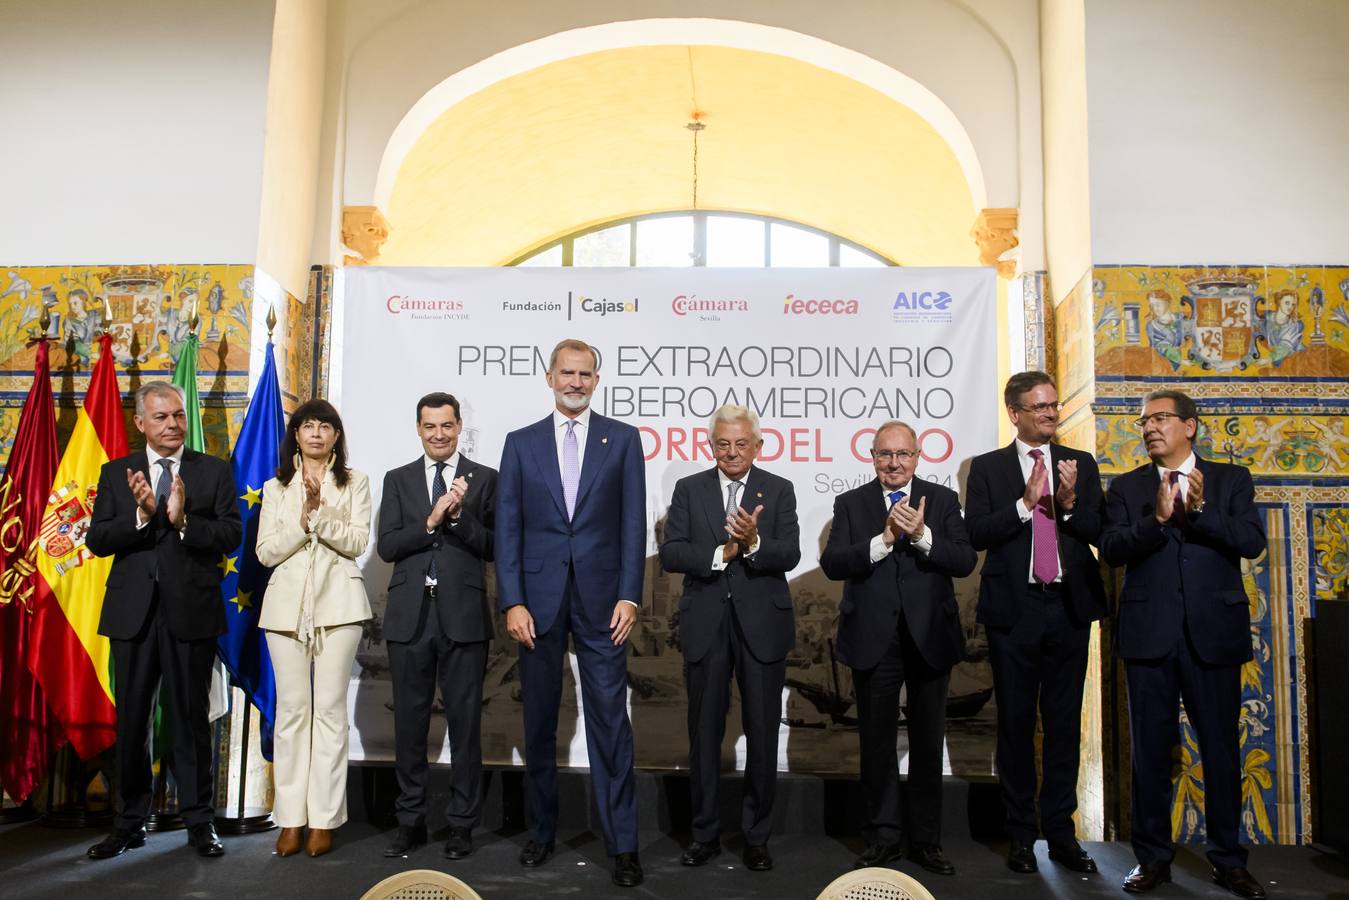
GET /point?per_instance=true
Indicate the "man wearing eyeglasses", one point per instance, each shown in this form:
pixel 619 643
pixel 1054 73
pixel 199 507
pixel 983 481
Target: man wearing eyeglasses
pixel 1180 526
pixel 1035 507
pixel 732 532
pixel 896 542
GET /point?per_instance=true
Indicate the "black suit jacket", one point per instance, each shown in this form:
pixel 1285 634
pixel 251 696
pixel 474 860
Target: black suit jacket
pixel 188 567
pixel 994 485
pixel 459 550
pixel 1188 576
pixel 875 593
pixel 757 586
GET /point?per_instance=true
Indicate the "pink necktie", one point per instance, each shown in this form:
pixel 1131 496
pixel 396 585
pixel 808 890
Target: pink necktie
pixel 1044 533
pixel 1177 511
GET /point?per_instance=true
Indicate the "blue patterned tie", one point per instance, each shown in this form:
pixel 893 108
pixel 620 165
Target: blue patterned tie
pixel 571 469
pixel 437 491
pixel 896 497
pixel 165 483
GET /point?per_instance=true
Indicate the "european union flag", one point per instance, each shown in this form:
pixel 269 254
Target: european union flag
pixel 242 646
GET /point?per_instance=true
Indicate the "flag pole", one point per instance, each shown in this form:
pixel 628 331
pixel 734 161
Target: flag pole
pixel 247 819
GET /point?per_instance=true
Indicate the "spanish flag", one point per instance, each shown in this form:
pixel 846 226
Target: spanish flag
pixel 66 652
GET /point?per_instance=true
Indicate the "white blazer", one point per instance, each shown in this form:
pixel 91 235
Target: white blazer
pixel 315 582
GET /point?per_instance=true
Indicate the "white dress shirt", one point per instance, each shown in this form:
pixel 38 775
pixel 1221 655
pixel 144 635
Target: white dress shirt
pixel 451 466
pixel 175 468
pixel 1184 469
pixel 718 562
pixel 1027 464
pixel 879 549
pixel 560 438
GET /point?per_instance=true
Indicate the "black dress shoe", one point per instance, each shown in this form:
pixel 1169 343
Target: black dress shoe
pixel 460 843
pixel 627 870
pixel 758 859
pixel 930 857
pixel 204 838
pixel 700 853
pixel 878 855
pixel 1146 876
pixel 409 838
pixel 1071 856
pixel 535 853
pixel 1021 858
pixel 1240 882
pixel 117 843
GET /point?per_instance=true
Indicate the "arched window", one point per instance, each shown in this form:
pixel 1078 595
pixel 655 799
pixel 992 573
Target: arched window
pixel 701 238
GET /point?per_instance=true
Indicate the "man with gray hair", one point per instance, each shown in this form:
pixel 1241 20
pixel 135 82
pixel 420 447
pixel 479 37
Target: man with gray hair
pixel 896 542
pixel 732 532
pixel 166 514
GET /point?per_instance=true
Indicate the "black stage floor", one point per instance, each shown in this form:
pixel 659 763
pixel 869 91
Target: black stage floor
pixel 41 862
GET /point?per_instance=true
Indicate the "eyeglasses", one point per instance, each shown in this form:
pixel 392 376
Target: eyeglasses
pixel 725 446
pixel 1157 418
pixel 1041 408
pixel 891 455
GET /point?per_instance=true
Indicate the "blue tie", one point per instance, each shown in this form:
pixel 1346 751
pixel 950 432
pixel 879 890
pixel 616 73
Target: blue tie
pixel 896 497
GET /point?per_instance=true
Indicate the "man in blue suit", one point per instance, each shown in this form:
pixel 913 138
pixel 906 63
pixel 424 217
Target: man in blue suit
pixel 570 557
pixel 1181 526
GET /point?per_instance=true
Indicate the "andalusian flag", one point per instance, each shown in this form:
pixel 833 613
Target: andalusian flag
pixel 67 654
pixel 29 735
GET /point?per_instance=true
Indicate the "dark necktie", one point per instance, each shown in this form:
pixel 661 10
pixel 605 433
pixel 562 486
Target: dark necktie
pixel 437 491
pixel 165 483
pixel 1178 510
pixel 1043 531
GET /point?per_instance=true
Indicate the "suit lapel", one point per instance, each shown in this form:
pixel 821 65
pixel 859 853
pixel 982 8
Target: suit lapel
pixel 874 505
pixel 597 452
pixel 1011 469
pixel 714 505
pixel 544 446
pixel 414 476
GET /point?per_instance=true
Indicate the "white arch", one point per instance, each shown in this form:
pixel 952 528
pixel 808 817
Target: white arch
pixel 664 32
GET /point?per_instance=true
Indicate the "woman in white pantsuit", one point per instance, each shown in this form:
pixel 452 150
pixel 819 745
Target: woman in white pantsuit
pixel 315 521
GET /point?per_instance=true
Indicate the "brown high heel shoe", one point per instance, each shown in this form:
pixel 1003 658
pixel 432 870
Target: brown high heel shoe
pixel 320 841
pixel 288 842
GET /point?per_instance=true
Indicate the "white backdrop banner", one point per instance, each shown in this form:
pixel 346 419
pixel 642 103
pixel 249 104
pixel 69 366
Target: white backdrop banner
pixel 822 355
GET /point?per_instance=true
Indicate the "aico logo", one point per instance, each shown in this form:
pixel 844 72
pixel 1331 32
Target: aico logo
pixel 795 306
pixel 692 303
pixel 398 303
pixel 922 300
pixel 601 306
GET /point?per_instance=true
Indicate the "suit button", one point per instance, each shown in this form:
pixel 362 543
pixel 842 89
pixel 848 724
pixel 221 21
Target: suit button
pixel 436 545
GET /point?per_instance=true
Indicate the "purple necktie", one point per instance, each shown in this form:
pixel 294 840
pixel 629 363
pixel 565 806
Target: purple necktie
pixel 1044 533
pixel 571 469
pixel 1177 511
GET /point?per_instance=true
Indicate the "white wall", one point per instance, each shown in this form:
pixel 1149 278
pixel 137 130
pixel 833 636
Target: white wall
pixel 132 132
pixel 1219 130
pixel 980 57
pixel 1066 164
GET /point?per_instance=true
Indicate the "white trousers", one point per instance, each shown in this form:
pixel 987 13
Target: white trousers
pixel 310 743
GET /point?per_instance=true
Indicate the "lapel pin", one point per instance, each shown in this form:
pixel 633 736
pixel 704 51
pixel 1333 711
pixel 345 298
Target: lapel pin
pixel 469 475
pixel 604 440
pixel 759 494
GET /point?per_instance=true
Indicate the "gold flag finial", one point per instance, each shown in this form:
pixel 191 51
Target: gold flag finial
pixel 271 321
pixel 194 321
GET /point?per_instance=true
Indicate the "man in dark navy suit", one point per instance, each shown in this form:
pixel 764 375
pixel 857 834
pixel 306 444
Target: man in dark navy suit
pixel 570 557
pixel 732 532
pixel 1181 526
pixel 435 526
pixel 1035 507
pixel 896 542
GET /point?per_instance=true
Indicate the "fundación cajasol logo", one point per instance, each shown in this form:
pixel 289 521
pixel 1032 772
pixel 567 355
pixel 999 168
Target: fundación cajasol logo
pixel 922 306
pixel 599 306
